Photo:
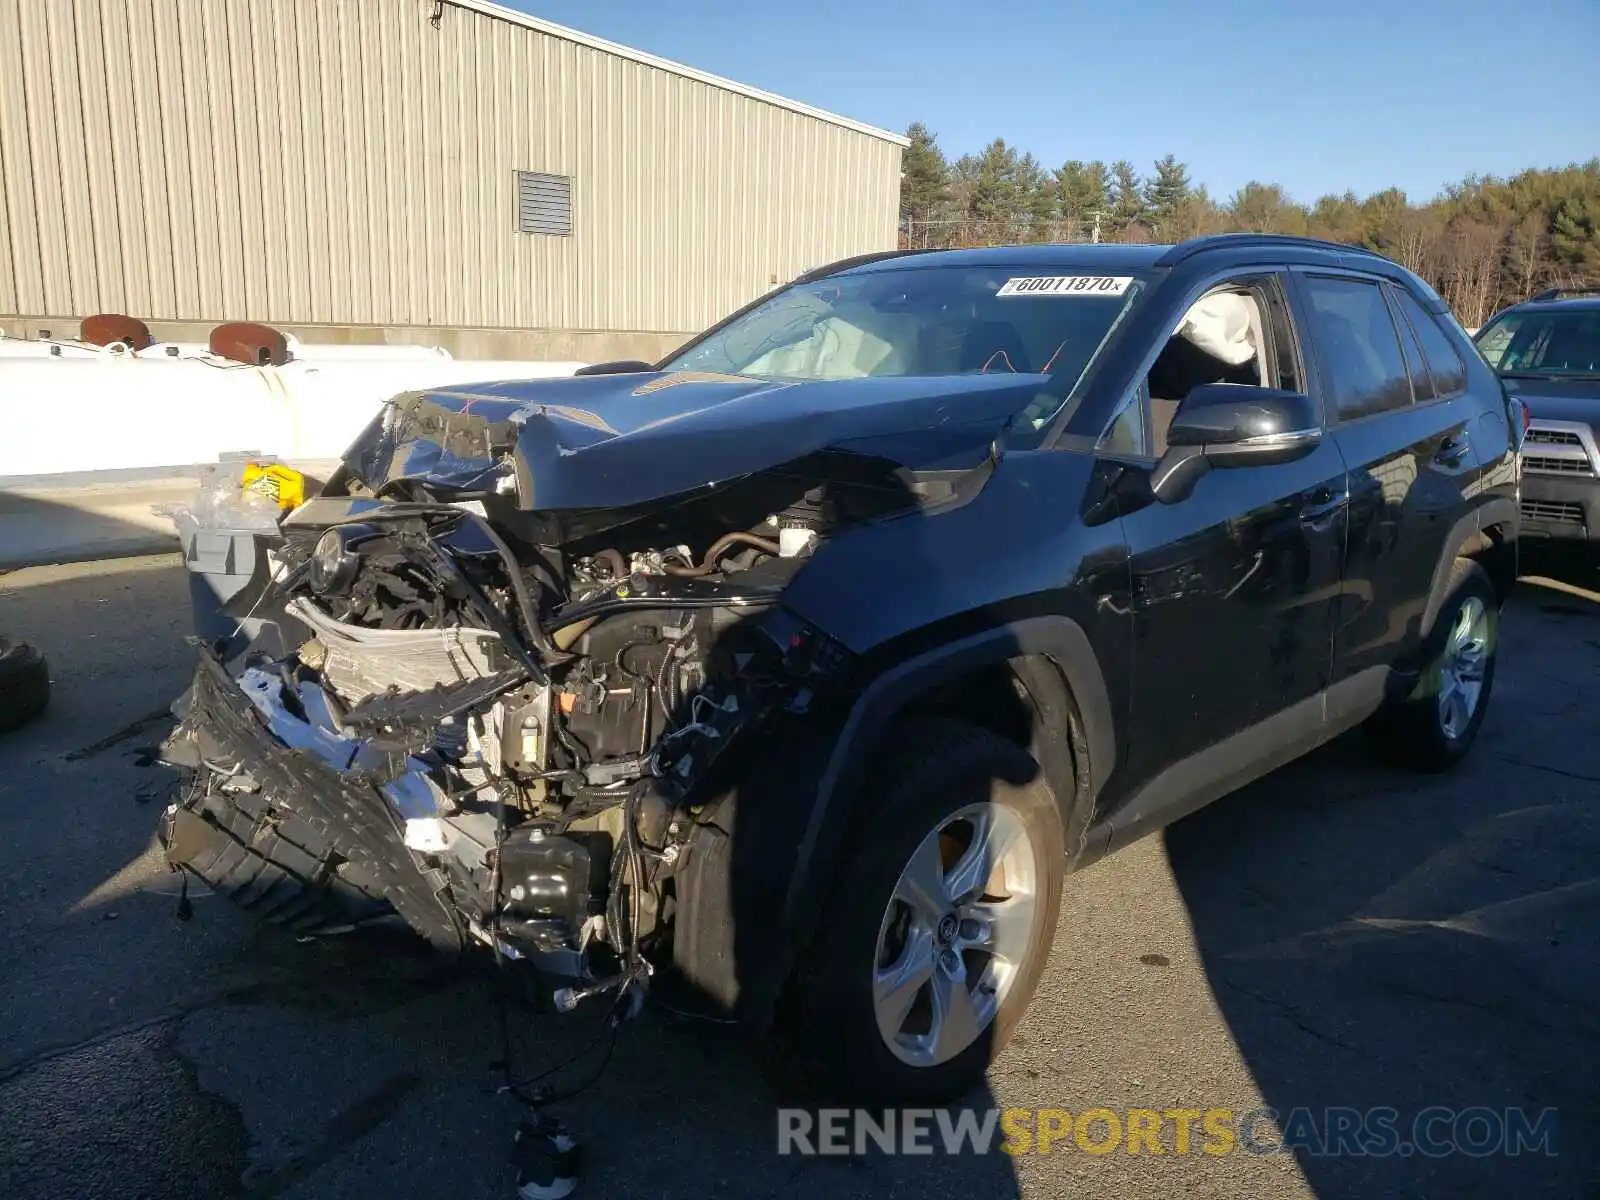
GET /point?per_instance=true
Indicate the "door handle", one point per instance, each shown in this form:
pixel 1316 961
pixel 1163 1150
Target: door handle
pixel 1451 451
pixel 1325 505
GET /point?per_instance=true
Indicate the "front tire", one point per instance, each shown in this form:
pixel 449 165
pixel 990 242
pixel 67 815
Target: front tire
pixel 939 923
pixel 1437 724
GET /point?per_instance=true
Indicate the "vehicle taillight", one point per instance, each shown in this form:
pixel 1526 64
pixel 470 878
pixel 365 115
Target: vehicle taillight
pixel 1521 419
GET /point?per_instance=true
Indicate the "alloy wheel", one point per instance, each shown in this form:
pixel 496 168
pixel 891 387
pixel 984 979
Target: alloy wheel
pixel 1462 668
pixel 952 941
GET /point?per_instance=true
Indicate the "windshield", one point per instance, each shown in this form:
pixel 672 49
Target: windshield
pixel 1543 343
pixel 929 321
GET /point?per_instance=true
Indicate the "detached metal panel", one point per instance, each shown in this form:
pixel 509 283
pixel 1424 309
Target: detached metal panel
pixel 346 162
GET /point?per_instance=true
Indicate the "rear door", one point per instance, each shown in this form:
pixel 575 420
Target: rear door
pixel 1407 448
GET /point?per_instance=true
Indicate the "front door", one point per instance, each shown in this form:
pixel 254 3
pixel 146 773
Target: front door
pixel 1233 588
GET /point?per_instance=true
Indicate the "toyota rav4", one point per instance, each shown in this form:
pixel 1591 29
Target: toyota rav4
pixel 796 672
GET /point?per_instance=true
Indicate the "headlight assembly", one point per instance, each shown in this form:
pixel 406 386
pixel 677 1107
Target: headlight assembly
pixel 335 560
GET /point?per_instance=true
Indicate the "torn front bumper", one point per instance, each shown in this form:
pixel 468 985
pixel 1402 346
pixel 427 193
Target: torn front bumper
pixel 353 812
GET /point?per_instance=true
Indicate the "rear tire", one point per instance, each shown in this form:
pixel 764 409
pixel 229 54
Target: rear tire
pixel 856 1021
pixel 1437 723
pixel 24 684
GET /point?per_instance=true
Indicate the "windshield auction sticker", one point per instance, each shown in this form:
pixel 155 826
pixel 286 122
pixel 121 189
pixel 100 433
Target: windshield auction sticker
pixel 1066 285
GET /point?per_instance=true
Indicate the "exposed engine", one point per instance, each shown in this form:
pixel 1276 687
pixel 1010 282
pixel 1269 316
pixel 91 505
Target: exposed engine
pixel 541 721
pixel 520 648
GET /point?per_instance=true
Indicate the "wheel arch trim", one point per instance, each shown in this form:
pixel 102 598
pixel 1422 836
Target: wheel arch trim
pixel 1462 540
pixel 1058 638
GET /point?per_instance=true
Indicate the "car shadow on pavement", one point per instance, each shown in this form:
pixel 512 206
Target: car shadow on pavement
pixel 1425 944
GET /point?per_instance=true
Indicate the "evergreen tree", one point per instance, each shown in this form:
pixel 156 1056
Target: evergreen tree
pixel 1575 234
pixel 1082 188
pixel 992 182
pixel 924 177
pixel 1165 194
pixel 1040 201
pixel 1482 243
pixel 1127 196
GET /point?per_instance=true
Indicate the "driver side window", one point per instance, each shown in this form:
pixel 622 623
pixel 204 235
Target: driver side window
pixel 1237 332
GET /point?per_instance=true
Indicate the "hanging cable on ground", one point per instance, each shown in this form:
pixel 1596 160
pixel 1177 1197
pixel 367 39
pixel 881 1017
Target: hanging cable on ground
pixel 546 1154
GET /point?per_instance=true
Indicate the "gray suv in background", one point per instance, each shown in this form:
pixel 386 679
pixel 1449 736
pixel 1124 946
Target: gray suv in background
pixel 1547 352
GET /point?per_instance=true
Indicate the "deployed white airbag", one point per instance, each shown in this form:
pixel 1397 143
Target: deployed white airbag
pixel 1221 325
pixel 836 349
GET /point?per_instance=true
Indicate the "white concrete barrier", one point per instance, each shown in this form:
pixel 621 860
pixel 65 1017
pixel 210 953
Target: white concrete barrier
pixel 76 518
pixel 93 410
pixel 92 438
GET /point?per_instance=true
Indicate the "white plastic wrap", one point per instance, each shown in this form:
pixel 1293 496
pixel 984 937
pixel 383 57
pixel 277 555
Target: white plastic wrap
pixel 222 505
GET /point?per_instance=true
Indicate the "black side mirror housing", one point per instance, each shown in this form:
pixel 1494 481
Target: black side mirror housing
pixel 622 366
pixel 1233 425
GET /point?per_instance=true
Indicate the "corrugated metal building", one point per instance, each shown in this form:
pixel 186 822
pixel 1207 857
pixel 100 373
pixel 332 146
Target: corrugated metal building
pixel 371 170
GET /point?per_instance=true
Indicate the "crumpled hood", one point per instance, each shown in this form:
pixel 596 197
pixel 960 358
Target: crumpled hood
pixel 609 441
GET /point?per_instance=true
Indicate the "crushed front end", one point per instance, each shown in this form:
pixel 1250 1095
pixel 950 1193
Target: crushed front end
pixel 501 723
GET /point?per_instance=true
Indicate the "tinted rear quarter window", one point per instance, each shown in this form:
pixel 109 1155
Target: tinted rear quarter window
pixel 1421 380
pixel 1359 346
pixel 1449 372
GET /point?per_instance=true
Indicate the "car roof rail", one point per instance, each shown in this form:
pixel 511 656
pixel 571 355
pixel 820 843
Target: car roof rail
pixel 1556 293
pixel 1219 241
pixel 856 260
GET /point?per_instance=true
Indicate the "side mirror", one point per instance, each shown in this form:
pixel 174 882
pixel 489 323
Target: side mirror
pixel 1233 425
pixel 622 366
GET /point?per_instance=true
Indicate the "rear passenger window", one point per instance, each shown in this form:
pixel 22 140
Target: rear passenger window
pixel 1449 372
pixel 1360 348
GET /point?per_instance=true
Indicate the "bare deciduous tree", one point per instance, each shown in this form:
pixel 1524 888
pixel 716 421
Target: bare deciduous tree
pixel 1471 267
pixel 1525 250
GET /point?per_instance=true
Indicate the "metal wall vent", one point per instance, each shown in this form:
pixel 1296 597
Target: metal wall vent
pixel 544 203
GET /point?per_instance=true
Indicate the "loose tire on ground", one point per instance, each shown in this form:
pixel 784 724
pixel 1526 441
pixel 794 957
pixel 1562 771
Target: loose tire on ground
pixel 828 1033
pixel 1417 733
pixel 24 684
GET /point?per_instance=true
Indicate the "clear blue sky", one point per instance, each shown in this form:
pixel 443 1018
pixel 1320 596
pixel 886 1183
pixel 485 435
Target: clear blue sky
pixel 1361 94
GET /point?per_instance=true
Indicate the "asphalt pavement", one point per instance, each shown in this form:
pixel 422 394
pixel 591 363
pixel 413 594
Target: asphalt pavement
pixel 1340 935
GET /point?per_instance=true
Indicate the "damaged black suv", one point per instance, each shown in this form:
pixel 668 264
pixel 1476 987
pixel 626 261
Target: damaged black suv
pixel 795 673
